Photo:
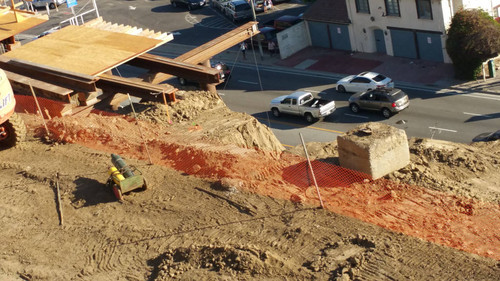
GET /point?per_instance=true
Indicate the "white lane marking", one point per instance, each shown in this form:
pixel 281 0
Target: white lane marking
pixel 314 91
pixel 477 114
pixel 442 129
pixel 452 92
pixel 221 94
pixel 248 82
pixel 192 19
pixel 359 116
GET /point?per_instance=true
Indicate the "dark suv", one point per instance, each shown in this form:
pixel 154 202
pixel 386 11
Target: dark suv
pixel 386 100
pixel 190 4
pixel 224 73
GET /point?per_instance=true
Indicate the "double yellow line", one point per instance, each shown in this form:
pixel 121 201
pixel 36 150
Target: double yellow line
pixel 294 125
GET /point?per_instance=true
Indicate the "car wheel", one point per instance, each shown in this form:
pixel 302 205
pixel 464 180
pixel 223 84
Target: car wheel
pixel 182 81
pixel 52 6
pixel 386 112
pixel 341 89
pixel 276 112
pixel 309 118
pixel 354 107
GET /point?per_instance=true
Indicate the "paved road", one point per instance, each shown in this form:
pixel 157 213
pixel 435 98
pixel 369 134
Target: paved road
pixel 443 114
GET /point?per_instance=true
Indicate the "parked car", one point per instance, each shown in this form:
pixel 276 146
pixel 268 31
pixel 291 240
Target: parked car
pixel 386 100
pixel 490 136
pixel 364 81
pixel 238 10
pixel 258 5
pixel 265 35
pixel 189 4
pixel 220 4
pixel 52 3
pixel 282 22
pixel 303 104
pixel 224 73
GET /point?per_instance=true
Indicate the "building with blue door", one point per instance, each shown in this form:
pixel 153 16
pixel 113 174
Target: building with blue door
pixel 328 25
pixel 403 28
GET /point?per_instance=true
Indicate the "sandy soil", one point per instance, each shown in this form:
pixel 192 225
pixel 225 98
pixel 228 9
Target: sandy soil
pixel 227 202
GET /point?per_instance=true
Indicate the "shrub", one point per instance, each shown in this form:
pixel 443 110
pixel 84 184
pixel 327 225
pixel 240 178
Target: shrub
pixel 473 37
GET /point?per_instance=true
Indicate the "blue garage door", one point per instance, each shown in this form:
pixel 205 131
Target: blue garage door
pixel 429 46
pixel 319 34
pixel 340 37
pixel 403 43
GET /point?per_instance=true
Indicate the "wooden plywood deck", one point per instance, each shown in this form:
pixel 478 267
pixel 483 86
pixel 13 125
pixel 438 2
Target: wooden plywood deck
pixel 84 50
pixel 9 27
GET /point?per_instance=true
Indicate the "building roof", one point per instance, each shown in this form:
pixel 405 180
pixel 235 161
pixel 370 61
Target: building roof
pixel 330 11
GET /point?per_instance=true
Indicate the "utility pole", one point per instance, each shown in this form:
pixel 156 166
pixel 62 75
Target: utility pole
pixel 258 41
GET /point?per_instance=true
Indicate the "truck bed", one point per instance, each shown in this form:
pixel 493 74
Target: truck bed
pixel 314 103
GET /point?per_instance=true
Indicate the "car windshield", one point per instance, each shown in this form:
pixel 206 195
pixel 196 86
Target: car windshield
pixel 397 95
pixel 242 7
pixel 379 78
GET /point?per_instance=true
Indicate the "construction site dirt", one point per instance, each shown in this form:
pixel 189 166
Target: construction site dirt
pixel 226 201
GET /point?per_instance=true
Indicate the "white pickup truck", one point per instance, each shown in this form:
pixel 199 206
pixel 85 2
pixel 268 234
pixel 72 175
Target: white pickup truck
pixel 303 104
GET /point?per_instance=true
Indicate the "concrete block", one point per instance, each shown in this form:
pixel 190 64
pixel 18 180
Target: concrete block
pixel 373 148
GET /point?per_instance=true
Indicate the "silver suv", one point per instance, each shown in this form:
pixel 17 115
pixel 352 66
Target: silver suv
pixel 386 100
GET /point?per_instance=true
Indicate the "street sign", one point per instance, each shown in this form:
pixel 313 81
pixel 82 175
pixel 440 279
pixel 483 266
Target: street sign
pixel 71 3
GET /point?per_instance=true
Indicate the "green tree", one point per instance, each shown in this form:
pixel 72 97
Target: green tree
pixel 473 38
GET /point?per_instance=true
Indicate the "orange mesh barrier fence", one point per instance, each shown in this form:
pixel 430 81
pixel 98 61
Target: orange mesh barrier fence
pixel 438 217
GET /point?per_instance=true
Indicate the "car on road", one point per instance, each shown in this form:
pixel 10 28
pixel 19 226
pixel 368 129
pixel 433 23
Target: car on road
pixel 364 81
pixel 224 73
pixel 189 4
pixel 490 136
pixel 304 104
pixel 386 100
pixel 238 10
pixel 43 3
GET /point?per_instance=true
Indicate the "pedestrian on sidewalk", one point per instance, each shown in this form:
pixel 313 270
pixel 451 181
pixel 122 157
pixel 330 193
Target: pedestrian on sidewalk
pixel 271 47
pixel 243 48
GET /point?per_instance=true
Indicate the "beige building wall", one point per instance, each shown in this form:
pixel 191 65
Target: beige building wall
pixel 361 30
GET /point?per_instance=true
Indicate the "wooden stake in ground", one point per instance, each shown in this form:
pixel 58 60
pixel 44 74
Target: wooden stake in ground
pixel 312 172
pixel 166 107
pixel 59 205
pixel 140 131
pixel 39 110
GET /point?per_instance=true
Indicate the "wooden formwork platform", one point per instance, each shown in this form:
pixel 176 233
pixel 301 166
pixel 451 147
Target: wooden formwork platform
pixel 15 22
pixel 85 50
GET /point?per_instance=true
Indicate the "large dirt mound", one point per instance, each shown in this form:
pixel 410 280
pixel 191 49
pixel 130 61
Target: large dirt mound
pixel 207 114
pixel 466 170
pixel 199 222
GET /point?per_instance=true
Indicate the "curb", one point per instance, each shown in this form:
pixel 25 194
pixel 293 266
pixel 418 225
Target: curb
pixel 231 57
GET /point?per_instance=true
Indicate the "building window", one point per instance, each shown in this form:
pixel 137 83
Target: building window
pixel 362 6
pixel 392 8
pixel 424 9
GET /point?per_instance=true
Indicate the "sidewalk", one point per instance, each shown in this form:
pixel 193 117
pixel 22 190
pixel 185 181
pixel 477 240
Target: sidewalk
pixel 403 71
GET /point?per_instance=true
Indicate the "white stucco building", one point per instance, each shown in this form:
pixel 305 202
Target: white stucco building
pixel 404 28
